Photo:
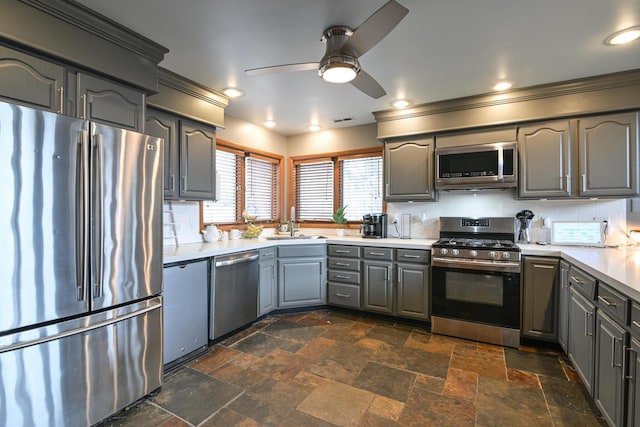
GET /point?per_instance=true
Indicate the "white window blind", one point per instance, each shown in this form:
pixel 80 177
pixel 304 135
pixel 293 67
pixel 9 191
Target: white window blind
pixel 262 183
pixel 361 186
pixel 314 190
pixel 225 209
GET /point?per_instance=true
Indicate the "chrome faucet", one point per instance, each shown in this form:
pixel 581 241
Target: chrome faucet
pixel 292 221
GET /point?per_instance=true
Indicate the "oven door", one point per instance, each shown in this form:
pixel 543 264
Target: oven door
pixel 476 291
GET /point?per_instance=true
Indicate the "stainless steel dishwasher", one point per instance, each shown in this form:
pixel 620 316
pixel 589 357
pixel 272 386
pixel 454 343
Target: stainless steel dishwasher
pixel 234 300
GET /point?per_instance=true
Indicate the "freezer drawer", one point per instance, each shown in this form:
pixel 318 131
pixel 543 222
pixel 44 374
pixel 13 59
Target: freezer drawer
pixel 185 309
pixel 81 371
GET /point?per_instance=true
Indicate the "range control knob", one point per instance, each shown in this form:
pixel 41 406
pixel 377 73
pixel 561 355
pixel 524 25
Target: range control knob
pixel 455 252
pixel 444 251
pixel 473 253
pixel 506 255
pixel 493 254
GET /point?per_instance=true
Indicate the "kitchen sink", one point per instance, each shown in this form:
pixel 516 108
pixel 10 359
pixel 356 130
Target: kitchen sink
pixel 296 237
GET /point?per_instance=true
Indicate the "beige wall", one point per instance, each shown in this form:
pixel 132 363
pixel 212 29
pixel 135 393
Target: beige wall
pixel 350 138
pixel 245 133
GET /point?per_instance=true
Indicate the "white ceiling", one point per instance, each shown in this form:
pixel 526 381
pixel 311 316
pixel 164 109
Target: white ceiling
pixel 442 49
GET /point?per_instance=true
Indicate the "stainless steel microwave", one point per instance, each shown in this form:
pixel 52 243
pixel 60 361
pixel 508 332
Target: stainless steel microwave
pixel 493 165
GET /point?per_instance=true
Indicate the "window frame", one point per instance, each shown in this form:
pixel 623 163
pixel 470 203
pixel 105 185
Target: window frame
pixel 245 151
pixel 336 157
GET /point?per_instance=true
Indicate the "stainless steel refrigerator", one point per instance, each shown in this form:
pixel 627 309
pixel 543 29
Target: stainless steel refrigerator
pixel 80 268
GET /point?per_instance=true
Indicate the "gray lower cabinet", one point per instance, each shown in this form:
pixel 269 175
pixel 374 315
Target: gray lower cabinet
pixel 608 386
pixel 109 102
pixel 540 298
pixel 378 286
pixel 609 155
pixel 343 275
pixel 408 170
pixel 545 152
pixel 301 276
pixel 31 81
pixel 563 305
pixel 633 385
pixel 413 291
pixel 267 290
pixel 185 309
pixel 581 339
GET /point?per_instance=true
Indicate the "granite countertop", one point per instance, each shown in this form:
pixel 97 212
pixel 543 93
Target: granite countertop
pixel 618 267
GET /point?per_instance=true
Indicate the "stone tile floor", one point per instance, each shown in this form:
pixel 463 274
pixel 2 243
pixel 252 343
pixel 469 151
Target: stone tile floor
pixel 335 368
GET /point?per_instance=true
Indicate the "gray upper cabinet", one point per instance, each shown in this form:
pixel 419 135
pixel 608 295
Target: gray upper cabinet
pixel 30 81
pixel 540 299
pixel 608 147
pixel 197 161
pixel 544 150
pixel 109 102
pixel 408 170
pixel 164 125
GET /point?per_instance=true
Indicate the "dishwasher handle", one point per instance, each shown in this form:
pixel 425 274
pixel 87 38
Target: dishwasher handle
pixel 237 259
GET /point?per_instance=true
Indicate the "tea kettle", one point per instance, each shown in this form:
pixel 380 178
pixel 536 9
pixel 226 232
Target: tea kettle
pixel 524 217
pixel 211 234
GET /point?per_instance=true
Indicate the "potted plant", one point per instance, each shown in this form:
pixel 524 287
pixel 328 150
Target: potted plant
pixel 340 219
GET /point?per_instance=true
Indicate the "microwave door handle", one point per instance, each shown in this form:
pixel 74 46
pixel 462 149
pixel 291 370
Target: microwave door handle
pixel 500 164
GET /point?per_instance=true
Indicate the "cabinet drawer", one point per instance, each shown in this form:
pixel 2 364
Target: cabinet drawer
pixel 344 276
pixel 344 251
pixel 346 295
pixel 344 264
pixel 582 282
pixel 301 251
pixel 408 255
pixel 378 253
pixel 635 318
pixel 267 254
pixel 613 302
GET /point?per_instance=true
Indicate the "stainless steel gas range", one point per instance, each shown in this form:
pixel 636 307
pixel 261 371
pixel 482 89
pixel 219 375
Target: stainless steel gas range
pixel 475 280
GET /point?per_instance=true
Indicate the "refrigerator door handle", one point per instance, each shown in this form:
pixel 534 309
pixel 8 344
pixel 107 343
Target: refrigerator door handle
pixel 98 214
pixel 82 224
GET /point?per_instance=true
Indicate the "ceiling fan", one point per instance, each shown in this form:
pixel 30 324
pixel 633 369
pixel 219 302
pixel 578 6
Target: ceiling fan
pixel 340 62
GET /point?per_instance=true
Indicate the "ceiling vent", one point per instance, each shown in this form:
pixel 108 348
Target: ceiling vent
pixel 346 119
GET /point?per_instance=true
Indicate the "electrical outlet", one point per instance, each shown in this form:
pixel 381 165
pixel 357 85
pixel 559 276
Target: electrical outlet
pixel 601 219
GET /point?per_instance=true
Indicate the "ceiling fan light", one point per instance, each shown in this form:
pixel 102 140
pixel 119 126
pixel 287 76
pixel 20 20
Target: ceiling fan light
pixel 339 74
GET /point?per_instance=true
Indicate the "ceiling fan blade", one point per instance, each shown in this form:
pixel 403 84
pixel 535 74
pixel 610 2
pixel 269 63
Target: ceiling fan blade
pixel 367 84
pixel 303 66
pixel 375 28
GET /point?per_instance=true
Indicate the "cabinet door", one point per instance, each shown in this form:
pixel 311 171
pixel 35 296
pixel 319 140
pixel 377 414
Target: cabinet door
pixel 267 288
pixel 563 306
pixel 633 396
pixel 185 309
pixel 539 309
pixel 409 170
pixel 164 125
pixel 301 281
pixel 545 160
pixel 197 161
pixel 110 103
pixel 608 147
pixel 378 286
pixel 581 342
pixel 31 81
pixel 413 291
pixel 608 381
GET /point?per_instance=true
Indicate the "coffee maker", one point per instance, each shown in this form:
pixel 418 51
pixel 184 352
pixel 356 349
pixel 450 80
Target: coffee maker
pixel 374 226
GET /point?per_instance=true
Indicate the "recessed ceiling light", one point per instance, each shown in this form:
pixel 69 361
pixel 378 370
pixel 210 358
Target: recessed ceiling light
pixel 503 86
pixel 314 127
pixel 623 36
pixel 400 103
pixel 232 92
pixel 270 124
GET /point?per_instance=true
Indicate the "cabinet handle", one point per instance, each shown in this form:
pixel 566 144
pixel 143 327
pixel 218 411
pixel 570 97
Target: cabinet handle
pixel 184 182
pixel 339 276
pixel 568 179
pixel 583 178
pixel 268 253
pixel 607 303
pixel 172 177
pixel 61 95
pixel 613 353
pixel 343 295
pixel 587 333
pixel 626 362
pixel 342 251
pixel 84 106
pixel 577 280
pixel 342 264
pixel 636 324
pixel 411 256
pixel 387 189
pixel 377 253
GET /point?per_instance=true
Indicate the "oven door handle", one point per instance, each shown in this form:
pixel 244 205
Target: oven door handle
pixel 508 267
